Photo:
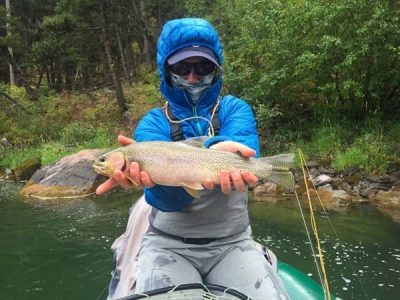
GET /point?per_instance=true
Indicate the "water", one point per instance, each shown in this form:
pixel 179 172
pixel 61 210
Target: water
pixel 61 249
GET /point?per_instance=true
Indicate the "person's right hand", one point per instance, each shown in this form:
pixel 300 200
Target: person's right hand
pixel 140 178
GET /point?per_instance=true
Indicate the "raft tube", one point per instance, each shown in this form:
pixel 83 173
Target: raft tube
pixel 298 285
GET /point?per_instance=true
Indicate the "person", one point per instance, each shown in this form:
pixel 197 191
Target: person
pixel 206 240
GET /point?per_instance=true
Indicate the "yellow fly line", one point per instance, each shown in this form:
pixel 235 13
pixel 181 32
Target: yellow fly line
pixel 324 282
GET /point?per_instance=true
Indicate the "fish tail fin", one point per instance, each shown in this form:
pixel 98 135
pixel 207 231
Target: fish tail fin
pixel 284 179
pixel 277 169
pixel 280 161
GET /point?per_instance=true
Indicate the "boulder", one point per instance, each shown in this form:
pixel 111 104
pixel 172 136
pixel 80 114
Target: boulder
pixel 267 188
pixel 388 202
pixel 331 199
pixel 72 176
pixel 322 180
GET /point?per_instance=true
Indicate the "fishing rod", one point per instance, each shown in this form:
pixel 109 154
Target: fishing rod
pixel 321 266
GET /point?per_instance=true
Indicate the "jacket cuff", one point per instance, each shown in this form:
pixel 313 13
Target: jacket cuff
pixel 215 140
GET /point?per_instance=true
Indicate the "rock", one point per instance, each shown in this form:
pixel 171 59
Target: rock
pixel 322 180
pixel 393 167
pixel 312 164
pixel 352 179
pixel 327 170
pixel 267 188
pixel 301 186
pixel 331 199
pixel 314 172
pixel 27 168
pixel 396 186
pixel 72 176
pixel 326 187
pixel 366 188
pixel 5 144
pixel 388 202
pixel 386 179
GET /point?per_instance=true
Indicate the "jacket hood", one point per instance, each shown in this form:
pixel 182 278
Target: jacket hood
pixel 176 35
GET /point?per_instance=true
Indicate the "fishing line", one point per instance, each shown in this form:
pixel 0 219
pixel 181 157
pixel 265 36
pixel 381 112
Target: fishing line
pixel 309 238
pixel 332 227
pixel 324 280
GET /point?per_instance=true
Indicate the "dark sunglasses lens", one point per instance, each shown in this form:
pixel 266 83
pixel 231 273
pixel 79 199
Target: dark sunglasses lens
pixel 181 68
pixel 184 69
pixel 203 69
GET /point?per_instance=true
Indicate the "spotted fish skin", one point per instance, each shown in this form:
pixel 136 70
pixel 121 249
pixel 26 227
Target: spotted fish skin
pixel 180 164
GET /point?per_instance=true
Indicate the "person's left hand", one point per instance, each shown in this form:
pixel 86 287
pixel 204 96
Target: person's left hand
pixel 233 178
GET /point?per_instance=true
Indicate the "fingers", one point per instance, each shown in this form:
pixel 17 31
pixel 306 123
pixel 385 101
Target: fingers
pixel 250 178
pixel 122 179
pixel 123 140
pixel 106 186
pixel 225 182
pixel 247 152
pixel 134 174
pixel 230 146
pixel 238 181
pixel 235 180
pixel 209 184
pixel 146 181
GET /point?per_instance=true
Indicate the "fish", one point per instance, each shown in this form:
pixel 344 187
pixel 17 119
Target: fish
pixel 188 164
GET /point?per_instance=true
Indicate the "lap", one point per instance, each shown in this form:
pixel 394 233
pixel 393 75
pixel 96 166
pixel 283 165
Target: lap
pixel 167 269
pixel 246 269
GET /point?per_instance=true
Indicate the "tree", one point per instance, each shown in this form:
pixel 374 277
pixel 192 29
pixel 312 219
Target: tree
pixel 10 50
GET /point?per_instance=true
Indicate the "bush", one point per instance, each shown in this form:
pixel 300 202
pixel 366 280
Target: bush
pixel 76 133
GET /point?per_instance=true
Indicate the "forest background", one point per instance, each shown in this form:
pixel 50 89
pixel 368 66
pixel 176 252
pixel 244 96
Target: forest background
pixel 322 76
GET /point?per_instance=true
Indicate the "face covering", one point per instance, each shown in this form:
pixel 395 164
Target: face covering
pixel 195 90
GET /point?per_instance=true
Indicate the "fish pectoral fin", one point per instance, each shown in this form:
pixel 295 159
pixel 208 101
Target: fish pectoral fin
pixel 193 189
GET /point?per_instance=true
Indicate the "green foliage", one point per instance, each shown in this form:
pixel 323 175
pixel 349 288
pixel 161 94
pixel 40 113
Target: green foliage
pixel 368 152
pixel 353 157
pixel 314 59
pixel 85 135
pixel 52 151
pixel 48 152
pixel 75 133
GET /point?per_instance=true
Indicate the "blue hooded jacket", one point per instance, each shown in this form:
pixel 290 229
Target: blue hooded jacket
pixel 236 117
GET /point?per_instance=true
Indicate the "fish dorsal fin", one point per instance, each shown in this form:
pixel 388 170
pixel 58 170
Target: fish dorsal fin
pixel 193 189
pixel 197 141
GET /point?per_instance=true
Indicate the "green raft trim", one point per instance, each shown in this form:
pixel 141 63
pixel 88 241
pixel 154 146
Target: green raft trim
pixel 298 285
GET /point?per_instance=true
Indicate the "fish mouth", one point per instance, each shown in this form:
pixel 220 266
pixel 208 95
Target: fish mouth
pixel 106 168
pixel 102 168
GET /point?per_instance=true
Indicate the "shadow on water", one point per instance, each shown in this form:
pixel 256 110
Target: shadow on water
pixel 61 249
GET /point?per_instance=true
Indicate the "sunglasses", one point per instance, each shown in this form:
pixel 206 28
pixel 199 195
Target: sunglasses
pixel 201 68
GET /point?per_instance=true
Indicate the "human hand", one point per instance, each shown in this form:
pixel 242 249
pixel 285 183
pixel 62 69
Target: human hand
pixel 233 178
pixel 128 178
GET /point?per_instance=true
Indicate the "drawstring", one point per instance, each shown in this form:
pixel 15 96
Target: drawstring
pixel 211 131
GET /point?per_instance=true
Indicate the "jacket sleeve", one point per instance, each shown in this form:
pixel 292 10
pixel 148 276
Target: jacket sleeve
pixel 155 127
pixel 237 124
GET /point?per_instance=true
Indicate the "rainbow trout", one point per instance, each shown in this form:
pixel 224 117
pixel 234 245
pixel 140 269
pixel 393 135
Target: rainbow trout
pixel 188 165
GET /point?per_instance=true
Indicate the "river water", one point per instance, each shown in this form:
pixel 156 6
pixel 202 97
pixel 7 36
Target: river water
pixel 61 249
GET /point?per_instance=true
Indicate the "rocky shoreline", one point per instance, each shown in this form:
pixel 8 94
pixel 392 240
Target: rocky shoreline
pixel 73 176
pixel 338 190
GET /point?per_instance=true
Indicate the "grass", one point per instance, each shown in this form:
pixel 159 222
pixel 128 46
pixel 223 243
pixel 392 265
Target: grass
pixel 365 146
